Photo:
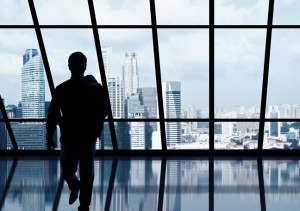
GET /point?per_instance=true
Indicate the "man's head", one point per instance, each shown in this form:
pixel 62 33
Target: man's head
pixel 77 63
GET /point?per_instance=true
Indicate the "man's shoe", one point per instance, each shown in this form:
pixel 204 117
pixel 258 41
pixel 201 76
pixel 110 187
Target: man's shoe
pixel 73 196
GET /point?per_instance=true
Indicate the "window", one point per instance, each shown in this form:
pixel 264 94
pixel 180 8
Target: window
pixel 197 75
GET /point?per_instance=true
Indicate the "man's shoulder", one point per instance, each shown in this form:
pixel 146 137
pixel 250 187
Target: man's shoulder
pixel 64 85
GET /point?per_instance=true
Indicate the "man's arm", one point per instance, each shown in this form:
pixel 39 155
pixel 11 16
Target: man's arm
pixel 52 119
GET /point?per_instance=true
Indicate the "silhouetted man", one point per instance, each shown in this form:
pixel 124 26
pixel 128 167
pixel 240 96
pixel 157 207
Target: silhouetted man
pixel 80 107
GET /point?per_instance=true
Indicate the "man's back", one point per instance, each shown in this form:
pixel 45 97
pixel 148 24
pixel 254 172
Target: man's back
pixel 82 106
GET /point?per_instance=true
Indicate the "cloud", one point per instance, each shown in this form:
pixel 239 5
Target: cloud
pixel 15 12
pixel 241 12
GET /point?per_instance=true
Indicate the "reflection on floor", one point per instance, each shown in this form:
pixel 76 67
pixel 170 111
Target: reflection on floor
pixel 34 183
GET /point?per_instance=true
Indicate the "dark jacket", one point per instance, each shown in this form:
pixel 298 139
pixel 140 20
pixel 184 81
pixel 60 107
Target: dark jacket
pixel 82 106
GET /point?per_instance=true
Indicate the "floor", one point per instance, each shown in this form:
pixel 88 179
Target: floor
pixel 155 183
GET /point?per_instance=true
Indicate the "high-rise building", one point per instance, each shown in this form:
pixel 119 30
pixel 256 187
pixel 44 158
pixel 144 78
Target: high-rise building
pixel 116 96
pixel 172 107
pixel 148 96
pixel 31 135
pixel 136 110
pixel 33 85
pixel 130 74
pixel 107 54
pixel 274 128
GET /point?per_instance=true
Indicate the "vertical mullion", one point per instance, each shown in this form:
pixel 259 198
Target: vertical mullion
pixel 102 73
pixel 42 46
pixel 162 184
pixel 265 76
pixel 211 184
pixel 211 75
pixel 8 126
pixel 111 184
pixel 261 184
pixel 158 76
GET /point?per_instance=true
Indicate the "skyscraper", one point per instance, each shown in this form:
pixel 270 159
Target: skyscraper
pixel 116 96
pixel 130 74
pixel 136 110
pixel 31 135
pixel 107 53
pixel 172 107
pixel 33 85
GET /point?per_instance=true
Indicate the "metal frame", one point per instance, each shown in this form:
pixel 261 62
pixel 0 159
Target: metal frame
pixel 211 28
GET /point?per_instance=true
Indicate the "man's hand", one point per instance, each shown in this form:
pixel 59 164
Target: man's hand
pixel 50 144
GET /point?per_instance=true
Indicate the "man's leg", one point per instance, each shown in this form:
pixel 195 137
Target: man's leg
pixel 87 172
pixel 69 157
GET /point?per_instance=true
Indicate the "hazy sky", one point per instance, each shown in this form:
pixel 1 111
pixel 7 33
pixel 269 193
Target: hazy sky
pixel 184 53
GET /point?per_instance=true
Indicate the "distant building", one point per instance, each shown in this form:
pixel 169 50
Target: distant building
pixel 107 54
pixel 136 110
pixel 172 108
pixel 28 135
pixel 274 128
pixel 130 74
pixel 33 85
pixel 116 96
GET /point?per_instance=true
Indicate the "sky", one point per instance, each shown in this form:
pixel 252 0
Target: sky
pixel 184 53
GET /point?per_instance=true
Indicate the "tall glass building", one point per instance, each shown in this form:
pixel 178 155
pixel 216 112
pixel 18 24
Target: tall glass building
pixel 172 106
pixel 130 74
pixel 33 85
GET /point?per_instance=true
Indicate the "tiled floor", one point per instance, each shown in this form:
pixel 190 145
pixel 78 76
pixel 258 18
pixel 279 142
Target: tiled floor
pixel 153 183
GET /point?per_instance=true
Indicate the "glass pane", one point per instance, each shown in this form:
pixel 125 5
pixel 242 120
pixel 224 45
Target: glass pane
pixel 15 12
pixel 281 178
pixel 239 57
pixel 138 135
pixel 178 12
pixel 283 84
pixel 281 135
pixel 286 12
pixel 186 185
pixel 105 139
pixel 137 183
pixel 236 135
pixel 236 185
pixel 184 71
pixel 22 77
pixel 65 12
pixel 236 12
pixel 3 135
pixel 187 135
pixel 33 185
pixel 119 12
pixel 129 65
pixel 61 43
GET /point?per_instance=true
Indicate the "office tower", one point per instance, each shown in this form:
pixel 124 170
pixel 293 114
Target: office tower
pixel 191 113
pixel 130 74
pixel 107 54
pixel 242 126
pixel 19 110
pixel 274 127
pixel 29 135
pixel 172 107
pixel 116 96
pixel 136 110
pixel 148 96
pixel 11 111
pixel 3 133
pixel 33 85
